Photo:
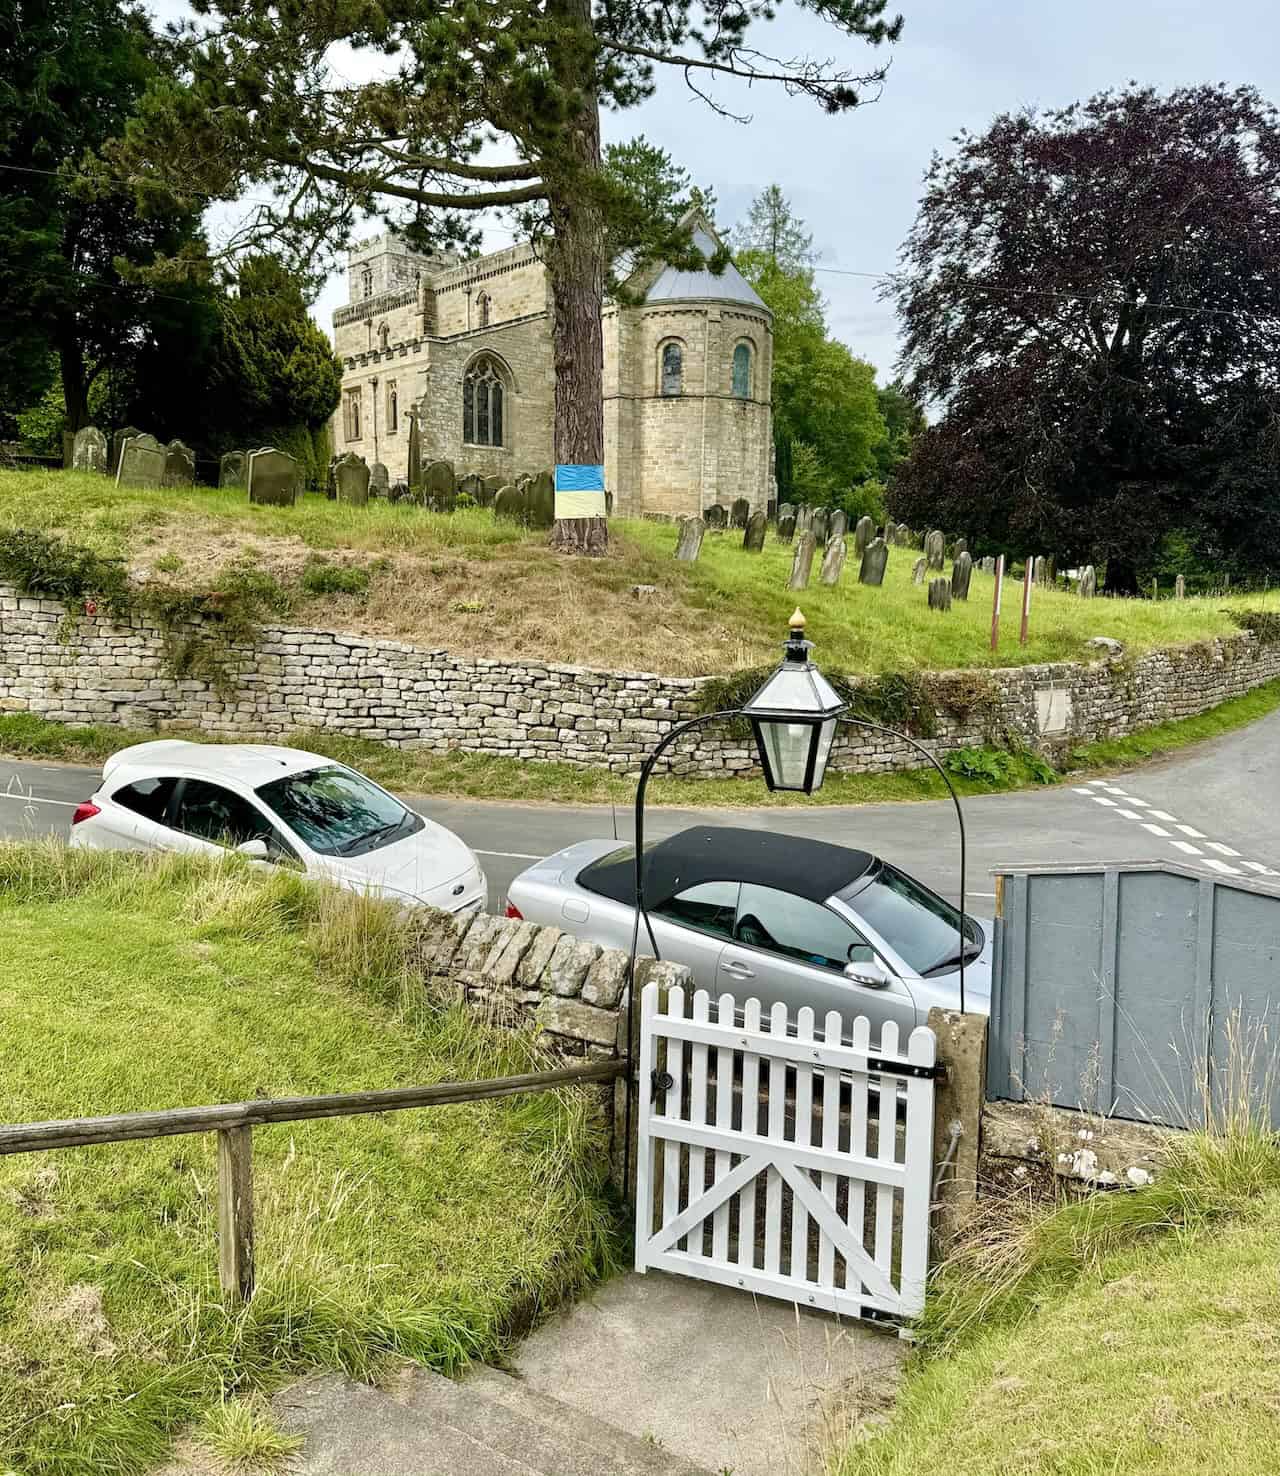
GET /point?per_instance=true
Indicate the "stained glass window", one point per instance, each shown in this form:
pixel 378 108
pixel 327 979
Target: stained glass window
pixel 482 395
pixel 672 369
pixel 742 371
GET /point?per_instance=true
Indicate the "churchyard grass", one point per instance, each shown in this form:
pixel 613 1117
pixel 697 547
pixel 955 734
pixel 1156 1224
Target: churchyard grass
pixel 417 771
pixel 132 983
pixel 475 585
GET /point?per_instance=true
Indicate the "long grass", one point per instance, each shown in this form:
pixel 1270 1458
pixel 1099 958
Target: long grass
pixel 131 984
pixel 478 586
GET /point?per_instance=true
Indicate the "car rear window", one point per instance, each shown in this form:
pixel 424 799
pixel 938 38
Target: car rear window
pixel 147 797
pixel 921 927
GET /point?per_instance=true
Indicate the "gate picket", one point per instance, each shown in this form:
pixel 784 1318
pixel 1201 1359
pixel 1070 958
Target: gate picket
pixel 812 1169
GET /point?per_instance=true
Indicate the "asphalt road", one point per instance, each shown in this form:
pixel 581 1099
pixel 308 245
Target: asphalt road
pixel 1216 806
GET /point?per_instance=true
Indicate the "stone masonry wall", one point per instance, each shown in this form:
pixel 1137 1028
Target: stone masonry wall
pixel 92 671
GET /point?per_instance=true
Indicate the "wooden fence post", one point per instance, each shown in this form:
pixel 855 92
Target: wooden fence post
pixel 235 1211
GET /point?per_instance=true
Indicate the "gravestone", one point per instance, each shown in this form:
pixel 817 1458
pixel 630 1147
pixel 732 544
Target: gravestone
pixel 771 510
pixel 863 530
pixel 753 538
pixel 413 474
pixel 438 486
pixel 489 489
pixel 833 561
pixel 1180 587
pixel 804 520
pixel 352 479
pixel 179 465
pixel 689 540
pixel 273 478
pixel 715 516
pixel 820 526
pixel 739 512
pixel 379 480
pixel 608 503
pixel 802 562
pixel 917 571
pixel 875 558
pixel 472 486
pixel 961 545
pixel 89 450
pixel 399 492
pixel 890 532
pixel 961 572
pixel 935 548
pixel 141 463
pixel 1039 570
pixel 939 594
pixel 231 469
pixel 509 505
pixel 117 442
pixel 838 525
pixel 540 500
pixel 1088 583
pixel 786 523
pixel 988 565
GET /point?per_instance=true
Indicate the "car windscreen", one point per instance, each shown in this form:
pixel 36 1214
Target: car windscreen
pixel 922 928
pixel 338 812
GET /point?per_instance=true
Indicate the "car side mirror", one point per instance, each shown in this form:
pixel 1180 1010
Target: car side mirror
pixel 255 849
pixel 869 975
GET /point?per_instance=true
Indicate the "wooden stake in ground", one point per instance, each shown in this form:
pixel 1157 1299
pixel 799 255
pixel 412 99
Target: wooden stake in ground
pixel 995 603
pixel 1026 600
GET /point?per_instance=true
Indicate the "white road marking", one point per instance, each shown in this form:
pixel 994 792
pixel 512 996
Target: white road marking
pixel 1129 814
pixel 1164 815
pixel 1098 782
pixel 1222 866
pixel 1083 791
pixel 1100 799
pixel 1155 829
pixel 511 855
pixel 1190 849
pixel 1192 832
pixel 1142 804
pixel 35 799
pixel 1221 849
pixel 1258 867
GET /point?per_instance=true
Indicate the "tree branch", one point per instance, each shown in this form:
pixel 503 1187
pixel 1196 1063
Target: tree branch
pixel 731 68
pixel 353 179
pixel 491 173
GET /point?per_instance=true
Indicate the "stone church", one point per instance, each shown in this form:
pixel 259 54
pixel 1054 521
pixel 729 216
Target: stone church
pixel 467 344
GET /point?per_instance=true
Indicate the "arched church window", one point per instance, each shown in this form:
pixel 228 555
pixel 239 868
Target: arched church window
pixel 484 307
pixel 353 415
pixel 393 406
pixel 366 282
pixel 742 371
pixel 384 337
pixel 483 404
pixel 672 374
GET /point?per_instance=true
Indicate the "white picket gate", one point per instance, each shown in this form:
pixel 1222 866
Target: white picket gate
pixel 765 1161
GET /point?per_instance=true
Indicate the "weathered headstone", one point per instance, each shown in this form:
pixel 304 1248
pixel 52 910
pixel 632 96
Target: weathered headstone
pixel 232 468
pixel 804 519
pixel 715 516
pixel 739 512
pixel 819 527
pixel 863 531
pixel 117 442
pixel 273 478
pixel 413 474
pixel 961 572
pixel 917 571
pixel 540 499
pixel 1040 570
pixel 890 532
pixel 961 545
pixel 1180 587
pixel 379 480
pixel 838 526
pixel 89 450
pixel 179 465
pixel 939 594
pixel 608 503
pixel 352 478
pixel 753 538
pixel 141 463
pixel 471 486
pixel 399 492
pixel 833 560
pixel 935 547
pixel 439 486
pixel 489 489
pixel 802 562
pixel 1088 583
pixel 988 565
pixel 875 558
pixel 509 505
pixel 786 530
pixel 689 540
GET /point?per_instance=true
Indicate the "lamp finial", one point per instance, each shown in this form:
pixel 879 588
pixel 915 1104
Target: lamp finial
pixel 797 621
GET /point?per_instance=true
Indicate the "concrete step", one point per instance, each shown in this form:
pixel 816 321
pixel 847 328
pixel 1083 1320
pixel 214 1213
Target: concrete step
pixel 353 1430
pixel 617 1451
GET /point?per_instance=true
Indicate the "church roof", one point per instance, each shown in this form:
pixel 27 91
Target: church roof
pixel 674 285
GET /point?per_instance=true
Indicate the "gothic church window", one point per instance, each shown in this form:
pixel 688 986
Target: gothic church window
pixel 353 415
pixel 393 407
pixel 482 404
pixel 484 306
pixel 384 337
pixel 742 372
pixel 672 371
pixel 366 282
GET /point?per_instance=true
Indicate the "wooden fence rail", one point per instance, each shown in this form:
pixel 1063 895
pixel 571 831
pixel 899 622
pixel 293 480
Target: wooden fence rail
pixel 234 1121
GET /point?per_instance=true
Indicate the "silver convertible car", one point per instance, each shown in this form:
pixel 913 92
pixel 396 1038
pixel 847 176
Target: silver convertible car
pixel 757 914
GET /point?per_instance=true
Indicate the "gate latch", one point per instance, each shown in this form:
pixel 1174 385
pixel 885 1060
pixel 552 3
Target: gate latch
pixel 661 1081
pixel 878 1065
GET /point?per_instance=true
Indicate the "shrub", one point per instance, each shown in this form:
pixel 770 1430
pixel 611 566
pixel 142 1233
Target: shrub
pixel 45 565
pixel 323 579
pixel 1264 624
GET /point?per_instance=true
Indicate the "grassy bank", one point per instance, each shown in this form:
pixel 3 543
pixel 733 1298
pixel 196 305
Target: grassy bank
pixel 127 985
pixel 476 776
pixel 1132 1332
pixel 478 586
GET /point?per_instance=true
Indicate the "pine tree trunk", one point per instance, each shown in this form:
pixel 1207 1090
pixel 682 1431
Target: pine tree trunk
pixel 576 265
pixel 75 384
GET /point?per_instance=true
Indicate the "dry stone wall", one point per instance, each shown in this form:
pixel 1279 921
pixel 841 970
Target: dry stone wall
pixel 80 667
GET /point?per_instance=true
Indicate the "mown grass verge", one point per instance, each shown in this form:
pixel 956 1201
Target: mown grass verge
pixel 479 776
pixel 131 983
pixel 1129 1332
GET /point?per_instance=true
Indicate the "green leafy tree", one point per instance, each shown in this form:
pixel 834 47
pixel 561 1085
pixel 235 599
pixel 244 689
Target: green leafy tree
pixel 648 197
pixel 773 232
pixel 256 105
pixel 72 306
pixel 904 419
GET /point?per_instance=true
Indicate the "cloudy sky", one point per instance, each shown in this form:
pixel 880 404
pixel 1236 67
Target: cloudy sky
pixel 855 179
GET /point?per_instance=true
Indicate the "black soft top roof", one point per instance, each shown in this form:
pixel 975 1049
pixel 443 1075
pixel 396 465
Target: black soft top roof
pixel 809 868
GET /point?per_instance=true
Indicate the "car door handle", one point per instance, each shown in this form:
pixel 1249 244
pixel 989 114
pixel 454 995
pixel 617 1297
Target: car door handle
pixel 738 970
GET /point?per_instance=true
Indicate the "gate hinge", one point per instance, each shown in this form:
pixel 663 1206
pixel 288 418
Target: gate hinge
pixel 879 1066
pixel 875 1314
pixel 661 1081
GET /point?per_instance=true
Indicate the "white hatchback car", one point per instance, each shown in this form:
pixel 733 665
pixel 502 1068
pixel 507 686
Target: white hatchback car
pixel 278 806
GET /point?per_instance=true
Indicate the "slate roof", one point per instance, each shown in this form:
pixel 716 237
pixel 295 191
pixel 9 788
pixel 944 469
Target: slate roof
pixel 673 285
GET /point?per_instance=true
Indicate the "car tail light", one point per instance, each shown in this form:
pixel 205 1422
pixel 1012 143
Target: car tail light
pixel 514 911
pixel 85 811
